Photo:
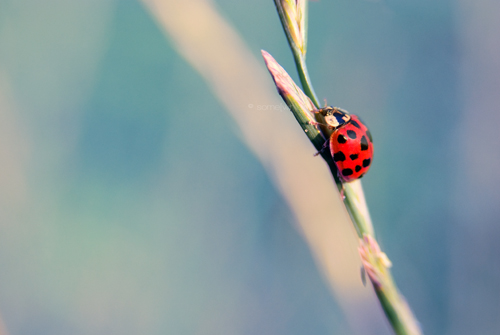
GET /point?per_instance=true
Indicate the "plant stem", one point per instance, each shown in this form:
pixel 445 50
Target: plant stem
pixel 388 294
pixel 395 308
pixel 300 61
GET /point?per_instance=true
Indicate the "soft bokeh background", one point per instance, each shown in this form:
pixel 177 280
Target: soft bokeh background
pixel 129 203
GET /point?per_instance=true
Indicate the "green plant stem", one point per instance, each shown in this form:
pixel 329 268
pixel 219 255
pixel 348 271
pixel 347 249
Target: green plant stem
pixel 299 53
pixel 388 295
pixel 398 314
pixel 360 219
pixel 391 313
pixel 395 308
pixel 300 62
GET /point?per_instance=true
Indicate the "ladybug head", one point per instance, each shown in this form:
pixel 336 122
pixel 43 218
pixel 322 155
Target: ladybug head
pixel 335 117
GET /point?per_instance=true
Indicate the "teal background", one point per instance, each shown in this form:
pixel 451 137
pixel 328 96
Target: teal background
pixel 130 205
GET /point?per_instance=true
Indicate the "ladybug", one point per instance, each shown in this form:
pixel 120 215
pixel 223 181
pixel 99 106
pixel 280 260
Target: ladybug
pixel 351 143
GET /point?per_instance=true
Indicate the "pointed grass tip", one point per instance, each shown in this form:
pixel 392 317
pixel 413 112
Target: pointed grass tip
pixel 287 88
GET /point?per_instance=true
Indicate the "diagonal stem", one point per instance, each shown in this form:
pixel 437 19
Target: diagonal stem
pixel 394 305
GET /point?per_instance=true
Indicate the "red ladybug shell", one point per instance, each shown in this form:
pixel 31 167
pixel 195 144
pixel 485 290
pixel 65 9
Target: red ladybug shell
pixel 352 149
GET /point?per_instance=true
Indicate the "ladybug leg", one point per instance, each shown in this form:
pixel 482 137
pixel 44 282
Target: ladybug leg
pixel 325 145
pixel 321 111
pixel 314 123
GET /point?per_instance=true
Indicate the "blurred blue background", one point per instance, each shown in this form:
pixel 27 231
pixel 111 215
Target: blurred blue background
pixel 129 205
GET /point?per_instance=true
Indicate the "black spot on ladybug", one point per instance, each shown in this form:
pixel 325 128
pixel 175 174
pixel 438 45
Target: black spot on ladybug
pixel 355 124
pixel 358 168
pixel 361 176
pixel 366 162
pixel 353 156
pixel 351 134
pixel 341 139
pixel 369 135
pixel 347 172
pixel 364 143
pixel 339 157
